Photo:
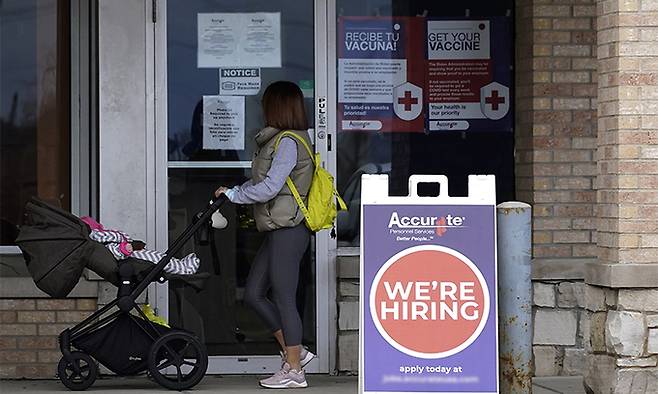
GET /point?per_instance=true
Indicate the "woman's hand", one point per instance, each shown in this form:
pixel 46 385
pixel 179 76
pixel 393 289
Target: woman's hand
pixel 220 191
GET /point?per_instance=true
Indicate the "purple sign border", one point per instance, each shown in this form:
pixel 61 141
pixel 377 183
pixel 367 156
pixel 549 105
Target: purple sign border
pixel 382 366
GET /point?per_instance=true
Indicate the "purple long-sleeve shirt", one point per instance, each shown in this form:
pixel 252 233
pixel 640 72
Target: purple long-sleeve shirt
pixel 284 160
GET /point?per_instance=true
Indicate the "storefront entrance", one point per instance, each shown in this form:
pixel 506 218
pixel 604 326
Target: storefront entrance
pixel 215 60
pixel 382 95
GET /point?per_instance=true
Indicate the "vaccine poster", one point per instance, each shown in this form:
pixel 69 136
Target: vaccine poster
pixel 418 74
pixel 428 299
pixel 380 76
pixel 469 75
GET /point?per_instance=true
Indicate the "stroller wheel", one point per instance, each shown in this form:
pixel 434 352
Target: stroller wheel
pixel 79 373
pixel 178 361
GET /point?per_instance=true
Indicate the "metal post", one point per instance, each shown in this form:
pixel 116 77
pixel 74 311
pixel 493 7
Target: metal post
pixel 515 297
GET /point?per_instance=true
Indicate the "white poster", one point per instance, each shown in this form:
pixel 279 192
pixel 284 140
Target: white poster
pixel 239 81
pixel 223 122
pixel 466 39
pixel 239 39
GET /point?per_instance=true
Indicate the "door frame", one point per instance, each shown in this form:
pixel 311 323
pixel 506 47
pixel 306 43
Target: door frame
pixel 325 254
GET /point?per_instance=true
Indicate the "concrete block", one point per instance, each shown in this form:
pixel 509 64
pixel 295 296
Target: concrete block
pixel 594 298
pixel 348 352
pixel 652 344
pixel 574 362
pixel 652 320
pixel 584 328
pixel 597 341
pixel 547 360
pixel 348 267
pixel 625 333
pixel 107 292
pixel 600 376
pixel 636 380
pixel 348 315
pixel 571 294
pixel 611 296
pixel 543 294
pixel 638 300
pixel 641 362
pixel 555 327
pixel 348 289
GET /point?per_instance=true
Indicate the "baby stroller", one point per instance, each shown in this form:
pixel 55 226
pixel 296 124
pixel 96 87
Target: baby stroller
pixel 57 248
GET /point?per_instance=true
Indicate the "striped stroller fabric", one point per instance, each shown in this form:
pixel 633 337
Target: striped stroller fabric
pixel 188 265
pixel 115 240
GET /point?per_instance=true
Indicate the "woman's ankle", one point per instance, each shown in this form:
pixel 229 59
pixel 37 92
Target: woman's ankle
pixel 293 354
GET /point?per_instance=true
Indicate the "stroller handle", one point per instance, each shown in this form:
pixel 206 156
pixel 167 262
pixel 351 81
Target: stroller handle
pixel 216 203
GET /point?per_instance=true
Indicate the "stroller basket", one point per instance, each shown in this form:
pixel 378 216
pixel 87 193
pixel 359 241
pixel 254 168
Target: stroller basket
pixel 121 345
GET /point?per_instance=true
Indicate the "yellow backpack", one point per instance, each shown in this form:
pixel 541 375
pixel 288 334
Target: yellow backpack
pixel 322 195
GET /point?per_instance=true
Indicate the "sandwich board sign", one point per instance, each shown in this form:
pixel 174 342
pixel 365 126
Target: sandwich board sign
pixel 428 314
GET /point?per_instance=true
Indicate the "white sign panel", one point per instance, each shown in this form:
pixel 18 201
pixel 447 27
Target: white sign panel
pixel 239 39
pixel 223 122
pixel 369 80
pixel 239 81
pixel 458 40
pixel 455 111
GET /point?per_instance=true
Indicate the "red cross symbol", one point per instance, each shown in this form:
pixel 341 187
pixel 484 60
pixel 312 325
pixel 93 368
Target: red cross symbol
pixel 494 100
pixel 407 100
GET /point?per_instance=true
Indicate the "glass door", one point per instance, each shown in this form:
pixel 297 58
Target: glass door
pixel 214 59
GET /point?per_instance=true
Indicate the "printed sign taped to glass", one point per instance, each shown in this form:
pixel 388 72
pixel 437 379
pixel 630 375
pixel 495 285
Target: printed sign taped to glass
pixel 420 74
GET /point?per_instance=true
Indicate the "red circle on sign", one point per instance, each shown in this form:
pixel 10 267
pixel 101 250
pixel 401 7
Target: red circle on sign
pixel 429 301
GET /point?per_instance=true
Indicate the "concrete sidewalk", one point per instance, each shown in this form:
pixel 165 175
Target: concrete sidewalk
pixel 247 384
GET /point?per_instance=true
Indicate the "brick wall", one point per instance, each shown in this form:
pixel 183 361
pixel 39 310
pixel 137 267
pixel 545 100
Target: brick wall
pixel 557 123
pixel 556 140
pixel 29 330
pixel 623 352
pixel 628 137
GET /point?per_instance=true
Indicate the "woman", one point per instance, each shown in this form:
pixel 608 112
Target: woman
pixel 276 212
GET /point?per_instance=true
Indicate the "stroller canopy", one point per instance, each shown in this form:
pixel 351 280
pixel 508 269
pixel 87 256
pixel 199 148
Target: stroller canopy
pixel 54 244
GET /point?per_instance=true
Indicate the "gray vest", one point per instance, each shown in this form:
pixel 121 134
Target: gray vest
pixel 282 210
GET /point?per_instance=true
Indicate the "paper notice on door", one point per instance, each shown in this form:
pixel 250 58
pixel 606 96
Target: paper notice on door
pixel 239 81
pixel 239 40
pixel 223 122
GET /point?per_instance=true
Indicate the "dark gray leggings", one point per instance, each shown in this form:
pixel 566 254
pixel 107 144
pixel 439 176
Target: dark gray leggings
pixel 276 266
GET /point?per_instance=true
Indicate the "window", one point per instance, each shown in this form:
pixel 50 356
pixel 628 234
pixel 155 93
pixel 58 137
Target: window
pixel 422 88
pixel 34 108
pixel 48 127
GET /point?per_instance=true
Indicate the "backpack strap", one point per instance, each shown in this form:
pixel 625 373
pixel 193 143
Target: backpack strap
pixel 298 138
pixel 298 198
pixel 341 203
pixel 289 182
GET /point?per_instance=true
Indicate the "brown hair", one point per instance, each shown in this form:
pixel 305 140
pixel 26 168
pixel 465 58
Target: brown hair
pixel 283 106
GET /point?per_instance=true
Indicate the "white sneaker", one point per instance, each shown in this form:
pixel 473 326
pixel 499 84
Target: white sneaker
pixel 286 378
pixel 305 357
